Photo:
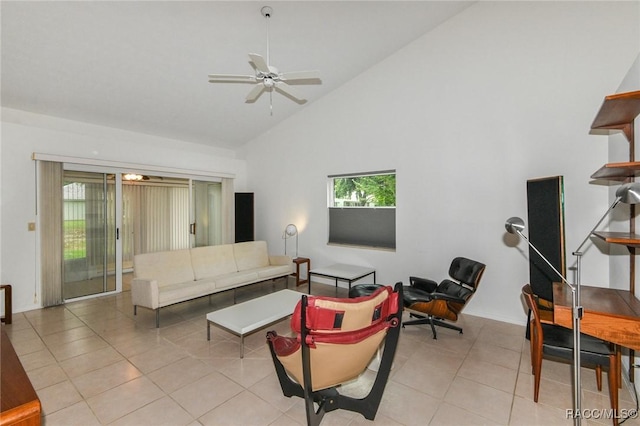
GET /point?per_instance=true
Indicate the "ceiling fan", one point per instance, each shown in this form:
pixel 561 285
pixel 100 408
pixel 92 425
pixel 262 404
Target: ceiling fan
pixel 268 78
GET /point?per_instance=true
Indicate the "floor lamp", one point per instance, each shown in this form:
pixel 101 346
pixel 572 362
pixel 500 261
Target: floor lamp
pixel 628 193
pixel 290 231
pixel 515 225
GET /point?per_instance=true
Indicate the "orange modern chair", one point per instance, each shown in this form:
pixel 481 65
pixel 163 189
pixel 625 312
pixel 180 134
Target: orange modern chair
pixel 335 340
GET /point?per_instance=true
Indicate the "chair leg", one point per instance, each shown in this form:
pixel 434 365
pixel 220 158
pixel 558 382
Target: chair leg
pixel 619 356
pixel 599 377
pixel 432 322
pixel 614 382
pixel 447 325
pixel 537 369
pixel 531 351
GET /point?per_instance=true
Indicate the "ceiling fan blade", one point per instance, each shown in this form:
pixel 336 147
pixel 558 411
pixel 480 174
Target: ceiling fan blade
pixel 231 78
pixel 259 62
pixel 291 93
pixel 313 77
pixel 255 93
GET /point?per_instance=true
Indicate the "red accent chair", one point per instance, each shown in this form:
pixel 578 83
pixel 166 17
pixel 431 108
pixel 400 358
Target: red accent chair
pixel 335 340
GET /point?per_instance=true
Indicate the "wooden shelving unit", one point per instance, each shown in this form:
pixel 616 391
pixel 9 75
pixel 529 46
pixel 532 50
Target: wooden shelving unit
pixel 618 171
pixel 625 238
pixel 618 113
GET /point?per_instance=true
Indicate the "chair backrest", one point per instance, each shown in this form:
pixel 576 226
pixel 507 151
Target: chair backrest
pixel 329 316
pixel 466 271
pixel 343 334
pixel 536 325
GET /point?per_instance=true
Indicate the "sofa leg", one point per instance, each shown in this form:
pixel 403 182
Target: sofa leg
pixel 135 309
pixel 158 318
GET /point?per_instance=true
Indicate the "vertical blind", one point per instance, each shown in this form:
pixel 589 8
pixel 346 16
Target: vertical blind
pixel 50 215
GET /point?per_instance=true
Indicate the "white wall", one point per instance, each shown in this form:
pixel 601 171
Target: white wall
pixel 619 152
pixel 503 92
pixel 24 133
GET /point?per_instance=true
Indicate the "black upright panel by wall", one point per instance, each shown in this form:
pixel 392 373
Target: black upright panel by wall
pixel 244 217
pixel 545 208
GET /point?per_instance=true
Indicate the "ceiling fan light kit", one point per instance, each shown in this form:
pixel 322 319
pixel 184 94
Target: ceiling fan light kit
pixel 268 78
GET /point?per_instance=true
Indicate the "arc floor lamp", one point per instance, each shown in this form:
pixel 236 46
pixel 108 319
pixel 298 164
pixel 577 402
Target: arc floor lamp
pixel 628 193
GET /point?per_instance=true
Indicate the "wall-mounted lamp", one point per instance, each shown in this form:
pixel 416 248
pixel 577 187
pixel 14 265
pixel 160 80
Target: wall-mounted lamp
pixel 290 231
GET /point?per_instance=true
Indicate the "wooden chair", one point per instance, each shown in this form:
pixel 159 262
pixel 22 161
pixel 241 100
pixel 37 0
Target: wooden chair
pixel 557 342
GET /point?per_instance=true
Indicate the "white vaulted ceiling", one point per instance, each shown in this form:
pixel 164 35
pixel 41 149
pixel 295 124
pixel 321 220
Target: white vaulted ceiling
pixel 143 65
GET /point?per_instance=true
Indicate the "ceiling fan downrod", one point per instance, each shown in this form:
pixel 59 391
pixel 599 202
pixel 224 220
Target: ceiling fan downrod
pixel 267 11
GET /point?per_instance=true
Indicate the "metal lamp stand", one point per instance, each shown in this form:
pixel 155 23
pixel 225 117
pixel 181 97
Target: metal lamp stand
pixel 516 225
pixel 628 193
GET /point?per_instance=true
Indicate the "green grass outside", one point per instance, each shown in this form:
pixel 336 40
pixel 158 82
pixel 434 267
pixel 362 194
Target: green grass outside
pixel 75 239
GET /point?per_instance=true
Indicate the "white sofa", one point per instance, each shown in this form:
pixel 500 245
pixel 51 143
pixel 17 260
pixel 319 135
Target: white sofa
pixel 168 277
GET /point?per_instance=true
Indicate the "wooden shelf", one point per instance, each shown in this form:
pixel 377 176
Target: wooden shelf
pixel 618 171
pixel 618 112
pixel 624 238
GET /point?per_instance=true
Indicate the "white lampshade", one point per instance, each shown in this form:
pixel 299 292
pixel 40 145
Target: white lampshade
pixel 291 230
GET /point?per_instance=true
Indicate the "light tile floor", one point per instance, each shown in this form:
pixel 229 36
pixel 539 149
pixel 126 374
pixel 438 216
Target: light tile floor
pixel 93 363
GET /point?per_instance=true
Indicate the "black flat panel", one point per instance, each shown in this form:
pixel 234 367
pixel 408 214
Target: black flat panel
pixel 244 217
pixel 545 208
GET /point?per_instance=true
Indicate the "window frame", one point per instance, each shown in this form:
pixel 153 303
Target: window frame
pixel 361 226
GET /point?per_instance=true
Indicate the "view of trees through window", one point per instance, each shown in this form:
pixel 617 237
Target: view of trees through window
pixel 362 209
pixel 375 190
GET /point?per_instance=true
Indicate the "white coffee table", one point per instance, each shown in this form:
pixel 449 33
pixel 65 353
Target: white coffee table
pixel 246 317
pixel 343 272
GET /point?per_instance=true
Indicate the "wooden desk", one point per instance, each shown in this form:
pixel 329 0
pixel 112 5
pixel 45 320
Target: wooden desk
pixel 18 400
pixel 609 314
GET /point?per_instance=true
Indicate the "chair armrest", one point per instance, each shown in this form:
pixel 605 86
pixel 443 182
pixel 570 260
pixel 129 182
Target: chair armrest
pixel 144 292
pixel 423 284
pixel 447 297
pixel 283 346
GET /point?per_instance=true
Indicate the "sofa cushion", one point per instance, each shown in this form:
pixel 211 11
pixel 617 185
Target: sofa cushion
pixel 179 292
pixel 235 279
pixel 251 255
pixel 273 271
pixel 166 267
pixel 212 261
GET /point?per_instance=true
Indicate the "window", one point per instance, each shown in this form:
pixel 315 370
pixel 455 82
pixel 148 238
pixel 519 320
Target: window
pixel 362 209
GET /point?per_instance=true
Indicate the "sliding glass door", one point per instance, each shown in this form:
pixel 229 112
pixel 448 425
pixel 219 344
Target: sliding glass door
pixel 155 215
pixel 89 234
pixel 110 217
pixel 206 228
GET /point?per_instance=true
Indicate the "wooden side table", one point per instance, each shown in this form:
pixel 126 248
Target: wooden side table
pixel 298 261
